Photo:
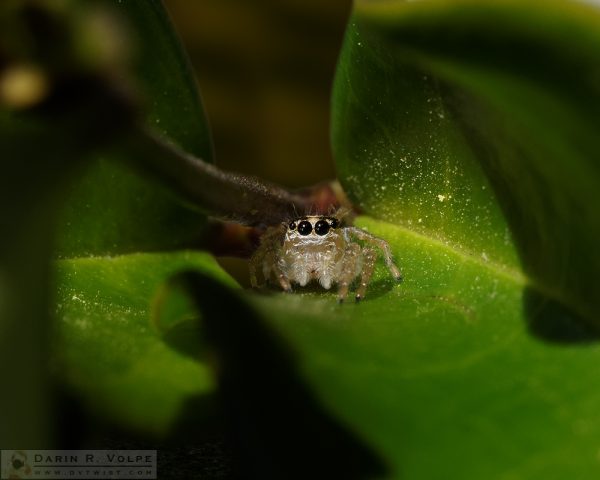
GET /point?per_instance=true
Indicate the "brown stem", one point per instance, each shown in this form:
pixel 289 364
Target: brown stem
pixel 227 196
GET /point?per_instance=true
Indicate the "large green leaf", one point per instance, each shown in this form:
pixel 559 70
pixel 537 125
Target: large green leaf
pixel 111 209
pixel 422 80
pixel 442 375
pixel 402 157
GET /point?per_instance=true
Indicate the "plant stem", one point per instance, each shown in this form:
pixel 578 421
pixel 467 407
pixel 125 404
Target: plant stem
pixel 227 196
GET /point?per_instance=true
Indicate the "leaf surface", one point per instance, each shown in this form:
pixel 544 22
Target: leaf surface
pixel 115 344
pixel 445 374
pixel 469 130
pixel 465 126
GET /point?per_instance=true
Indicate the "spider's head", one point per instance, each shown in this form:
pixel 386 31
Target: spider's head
pixel 316 225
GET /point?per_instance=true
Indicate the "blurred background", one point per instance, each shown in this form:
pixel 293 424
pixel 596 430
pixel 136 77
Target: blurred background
pixel 265 70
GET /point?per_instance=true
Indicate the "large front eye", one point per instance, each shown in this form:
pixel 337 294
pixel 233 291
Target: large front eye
pixel 321 227
pixel 304 227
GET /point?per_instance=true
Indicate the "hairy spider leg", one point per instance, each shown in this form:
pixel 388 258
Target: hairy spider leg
pixel 382 245
pixel 255 261
pixel 271 267
pixel 349 267
pixel 369 259
pixel 302 278
pixel 265 257
pixel 284 281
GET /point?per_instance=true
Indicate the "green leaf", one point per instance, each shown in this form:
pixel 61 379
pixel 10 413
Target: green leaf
pixel 401 156
pixel 442 374
pixel 29 189
pixel 421 85
pixel 115 345
pixel 469 130
pixel 111 209
pixel 44 139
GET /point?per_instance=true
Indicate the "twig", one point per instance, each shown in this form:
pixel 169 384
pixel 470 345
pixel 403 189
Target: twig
pixel 227 196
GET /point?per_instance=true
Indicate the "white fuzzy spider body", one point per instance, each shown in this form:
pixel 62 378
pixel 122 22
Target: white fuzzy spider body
pixel 319 248
pixel 312 257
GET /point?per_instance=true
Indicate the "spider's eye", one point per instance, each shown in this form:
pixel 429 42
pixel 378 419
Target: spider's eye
pixel 292 226
pixel 334 223
pixel 304 227
pixel 321 227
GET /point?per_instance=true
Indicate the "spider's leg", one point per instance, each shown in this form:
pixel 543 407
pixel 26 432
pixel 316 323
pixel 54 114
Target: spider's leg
pixel 349 264
pixel 253 265
pixel 284 281
pixel 302 277
pixel 369 259
pixel 272 266
pixel 382 245
pixel 264 254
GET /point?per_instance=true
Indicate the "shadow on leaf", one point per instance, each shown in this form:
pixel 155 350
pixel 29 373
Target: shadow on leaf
pixel 554 322
pixel 276 427
pixel 550 219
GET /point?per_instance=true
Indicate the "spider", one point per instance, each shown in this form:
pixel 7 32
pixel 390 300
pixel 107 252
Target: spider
pixel 319 247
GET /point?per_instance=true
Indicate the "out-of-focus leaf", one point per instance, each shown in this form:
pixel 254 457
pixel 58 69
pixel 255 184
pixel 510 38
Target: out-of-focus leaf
pixel 114 343
pixel 112 209
pixel 29 192
pixel 270 413
pixel 44 139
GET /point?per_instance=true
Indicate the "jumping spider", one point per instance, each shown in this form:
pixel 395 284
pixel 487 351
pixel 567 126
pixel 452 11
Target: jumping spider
pixel 319 247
